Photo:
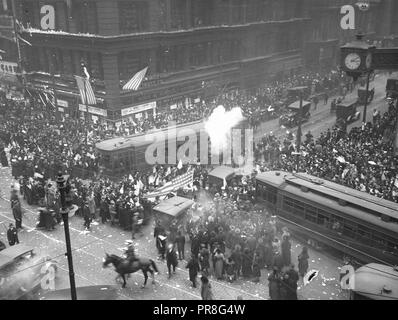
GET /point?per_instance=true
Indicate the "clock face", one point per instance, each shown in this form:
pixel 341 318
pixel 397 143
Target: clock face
pixel 352 61
pixel 368 61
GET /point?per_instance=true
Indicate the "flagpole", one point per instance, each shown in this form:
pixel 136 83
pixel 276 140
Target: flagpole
pixel 14 18
pixel 53 84
pixel 85 114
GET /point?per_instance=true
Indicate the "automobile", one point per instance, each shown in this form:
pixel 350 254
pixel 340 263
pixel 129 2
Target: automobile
pixel 291 118
pixel 346 113
pixel 362 94
pixel 23 272
pixel 392 88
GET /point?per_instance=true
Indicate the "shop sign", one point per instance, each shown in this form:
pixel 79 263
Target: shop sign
pixel 93 110
pixel 62 103
pixel 138 108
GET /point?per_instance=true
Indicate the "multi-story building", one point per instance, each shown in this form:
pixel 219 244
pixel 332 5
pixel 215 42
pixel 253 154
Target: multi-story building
pixel 8 50
pixel 193 48
pixel 326 34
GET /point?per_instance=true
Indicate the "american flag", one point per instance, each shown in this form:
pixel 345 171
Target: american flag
pixel 135 81
pixel 85 90
pixel 175 184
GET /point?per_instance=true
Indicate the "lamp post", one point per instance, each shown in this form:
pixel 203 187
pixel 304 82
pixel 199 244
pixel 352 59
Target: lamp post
pixel 300 91
pixel 64 211
pixel 366 97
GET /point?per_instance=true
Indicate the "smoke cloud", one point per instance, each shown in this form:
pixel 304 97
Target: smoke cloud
pixel 220 123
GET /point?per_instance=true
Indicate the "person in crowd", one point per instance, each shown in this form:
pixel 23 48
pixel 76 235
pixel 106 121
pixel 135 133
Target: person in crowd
pixel 291 279
pixel 104 210
pixel 180 241
pixel 286 250
pixel 236 257
pixel 193 267
pixel 205 291
pixel 161 242
pixel 87 216
pixel 218 264
pixel 303 261
pixel 12 235
pixel 16 211
pixel 130 252
pixel 134 225
pixel 256 268
pixel 171 259
pixel 274 284
pixel 246 263
pixel 204 259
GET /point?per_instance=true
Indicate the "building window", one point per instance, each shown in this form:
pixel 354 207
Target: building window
pixel 178 14
pixel 133 16
pixel 198 54
pixel 86 17
pixel 202 12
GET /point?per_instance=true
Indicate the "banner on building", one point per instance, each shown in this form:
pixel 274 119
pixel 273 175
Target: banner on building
pixel 138 108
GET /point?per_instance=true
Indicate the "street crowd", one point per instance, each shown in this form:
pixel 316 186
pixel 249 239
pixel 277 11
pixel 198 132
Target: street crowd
pixel 230 236
pixel 361 159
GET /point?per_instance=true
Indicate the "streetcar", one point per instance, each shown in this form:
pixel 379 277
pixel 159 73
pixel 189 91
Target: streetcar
pixel 124 154
pixel 331 216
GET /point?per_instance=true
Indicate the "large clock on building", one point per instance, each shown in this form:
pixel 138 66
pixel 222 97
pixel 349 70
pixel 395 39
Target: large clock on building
pixel 356 57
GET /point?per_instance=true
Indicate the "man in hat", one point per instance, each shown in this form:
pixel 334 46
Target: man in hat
pixel 87 215
pixel 130 252
pixel 16 209
pixel 171 258
pixel 12 235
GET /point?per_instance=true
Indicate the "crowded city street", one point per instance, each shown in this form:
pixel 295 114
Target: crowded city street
pixel 198 150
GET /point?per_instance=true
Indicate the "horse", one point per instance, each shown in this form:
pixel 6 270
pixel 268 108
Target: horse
pixel 123 267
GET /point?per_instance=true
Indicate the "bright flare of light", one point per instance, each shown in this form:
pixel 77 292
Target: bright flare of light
pixel 220 123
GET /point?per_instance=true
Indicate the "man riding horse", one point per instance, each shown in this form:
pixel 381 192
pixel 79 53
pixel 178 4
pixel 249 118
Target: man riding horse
pixel 130 252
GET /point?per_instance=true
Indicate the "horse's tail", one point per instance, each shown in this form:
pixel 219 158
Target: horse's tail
pixel 153 264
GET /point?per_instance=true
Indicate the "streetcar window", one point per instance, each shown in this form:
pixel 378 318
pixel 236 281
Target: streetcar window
pixel 349 230
pixel 311 213
pixel 293 206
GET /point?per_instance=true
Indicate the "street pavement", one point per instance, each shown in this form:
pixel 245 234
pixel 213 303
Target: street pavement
pixel 89 248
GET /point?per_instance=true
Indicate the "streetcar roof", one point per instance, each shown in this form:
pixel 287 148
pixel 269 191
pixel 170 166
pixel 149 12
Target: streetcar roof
pixel 348 194
pixel 174 206
pixel 323 190
pixel 143 139
pixel 357 213
pixel 222 172
pixel 370 280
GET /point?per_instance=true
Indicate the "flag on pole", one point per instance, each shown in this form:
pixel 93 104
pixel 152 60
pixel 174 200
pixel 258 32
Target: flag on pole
pixel 85 90
pixel 136 80
pixel 23 40
pixel 175 184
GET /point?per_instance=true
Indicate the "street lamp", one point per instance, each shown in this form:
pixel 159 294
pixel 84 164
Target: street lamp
pixel 300 91
pixel 62 188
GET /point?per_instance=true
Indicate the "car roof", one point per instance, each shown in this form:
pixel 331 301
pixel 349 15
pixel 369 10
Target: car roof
pixel 9 254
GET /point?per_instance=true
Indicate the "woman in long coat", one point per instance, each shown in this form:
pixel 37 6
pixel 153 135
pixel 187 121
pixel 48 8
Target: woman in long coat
pixel 303 261
pixel 218 264
pixel 246 263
